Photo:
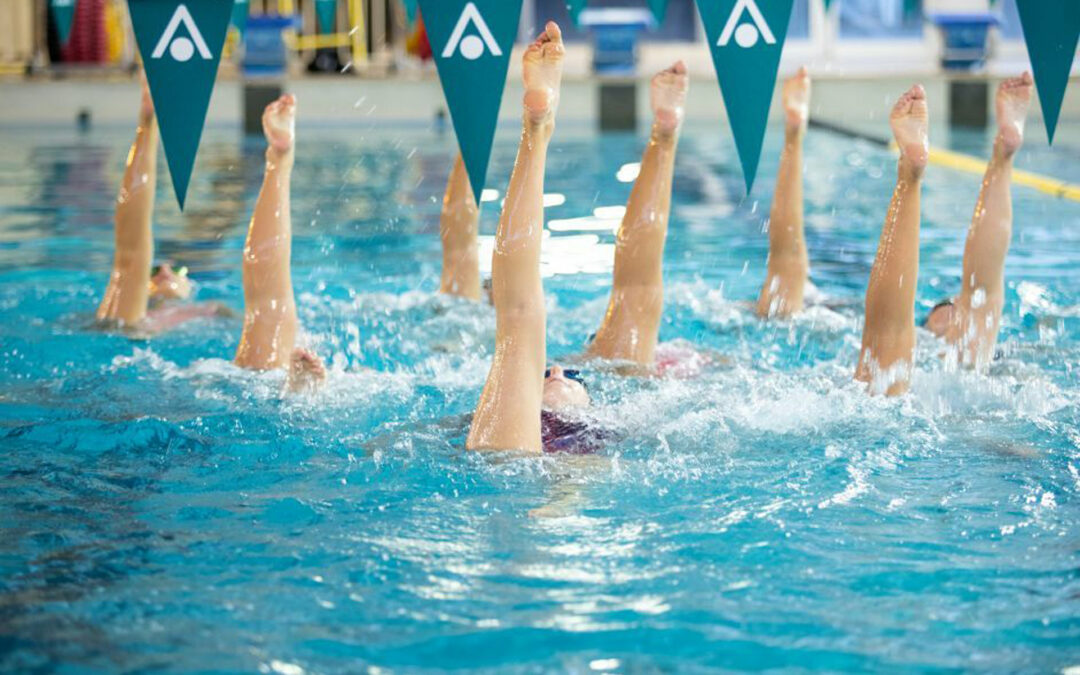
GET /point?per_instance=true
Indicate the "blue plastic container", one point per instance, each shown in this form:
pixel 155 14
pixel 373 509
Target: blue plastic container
pixel 615 37
pixel 264 48
pixel 965 37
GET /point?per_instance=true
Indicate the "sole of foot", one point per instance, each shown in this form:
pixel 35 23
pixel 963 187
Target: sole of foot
pixel 279 123
pixel 668 92
pixel 1013 99
pixel 910 120
pixel 542 73
pixel 796 97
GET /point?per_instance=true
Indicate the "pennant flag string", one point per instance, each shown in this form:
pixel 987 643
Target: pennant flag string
pixel 472 41
pixel 181 43
pixel 1051 29
pixel 63 12
pixel 746 38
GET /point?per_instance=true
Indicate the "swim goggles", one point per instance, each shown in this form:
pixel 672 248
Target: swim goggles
pixel 569 374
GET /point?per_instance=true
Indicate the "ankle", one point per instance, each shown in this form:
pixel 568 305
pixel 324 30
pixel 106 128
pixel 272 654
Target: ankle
pixel 1004 148
pixel 909 170
pixel 279 159
pixel 540 128
pixel 665 133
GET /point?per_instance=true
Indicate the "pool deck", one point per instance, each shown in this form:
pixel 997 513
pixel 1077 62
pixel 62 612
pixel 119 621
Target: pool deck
pixel 858 99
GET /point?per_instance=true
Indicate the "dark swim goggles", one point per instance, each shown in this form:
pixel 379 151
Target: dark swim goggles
pixel 569 374
pixel 180 271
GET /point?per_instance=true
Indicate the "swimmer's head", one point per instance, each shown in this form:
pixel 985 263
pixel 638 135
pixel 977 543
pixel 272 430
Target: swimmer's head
pixel 564 389
pixel 169 284
pixel 940 318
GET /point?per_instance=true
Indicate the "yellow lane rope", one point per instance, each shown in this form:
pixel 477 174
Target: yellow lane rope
pixel 961 162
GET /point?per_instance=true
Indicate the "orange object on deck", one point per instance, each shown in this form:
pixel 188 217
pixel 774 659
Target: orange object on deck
pixel 418 44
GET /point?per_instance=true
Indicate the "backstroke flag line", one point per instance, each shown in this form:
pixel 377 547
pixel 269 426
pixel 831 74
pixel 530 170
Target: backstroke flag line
pixel 574 7
pixel 327 13
pixel 180 42
pixel 746 38
pixel 659 10
pixel 472 41
pixel 1051 29
pixel 63 12
pixel 240 16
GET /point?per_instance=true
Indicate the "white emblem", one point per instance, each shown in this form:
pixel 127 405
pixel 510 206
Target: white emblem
pixel 182 48
pixel 746 35
pixel 471 46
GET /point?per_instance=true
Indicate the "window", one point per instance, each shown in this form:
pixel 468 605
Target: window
pixel 881 19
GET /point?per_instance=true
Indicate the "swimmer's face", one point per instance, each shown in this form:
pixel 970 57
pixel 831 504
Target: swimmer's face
pixel 939 320
pixel 168 284
pixel 562 392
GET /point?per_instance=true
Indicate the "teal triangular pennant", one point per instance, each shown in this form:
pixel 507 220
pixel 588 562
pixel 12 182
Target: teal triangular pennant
pixel 828 3
pixel 1051 29
pixel 573 8
pixel 240 16
pixel 410 9
pixel 63 12
pixel 327 13
pixel 180 42
pixel 746 38
pixel 472 42
pixel 659 10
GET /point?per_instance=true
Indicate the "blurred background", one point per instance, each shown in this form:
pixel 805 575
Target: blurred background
pixel 861 53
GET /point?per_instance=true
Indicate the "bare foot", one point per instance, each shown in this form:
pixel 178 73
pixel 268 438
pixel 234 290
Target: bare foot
pixel 306 372
pixel 796 95
pixel 909 119
pixel 146 108
pixel 542 72
pixel 279 123
pixel 668 90
pixel 1013 97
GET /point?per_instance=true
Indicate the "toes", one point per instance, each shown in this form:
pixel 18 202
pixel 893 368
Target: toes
pixel 1018 82
pixel 679 68
pixel 553 32
pixel 905 104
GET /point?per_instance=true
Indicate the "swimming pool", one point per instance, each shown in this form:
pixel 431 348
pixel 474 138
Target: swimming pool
pixel 164 512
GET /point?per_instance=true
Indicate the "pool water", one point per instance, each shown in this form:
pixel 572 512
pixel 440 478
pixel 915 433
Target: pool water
pixel 163 511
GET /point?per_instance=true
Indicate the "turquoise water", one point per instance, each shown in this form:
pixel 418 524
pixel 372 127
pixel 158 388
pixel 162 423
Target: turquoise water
pixel 163 511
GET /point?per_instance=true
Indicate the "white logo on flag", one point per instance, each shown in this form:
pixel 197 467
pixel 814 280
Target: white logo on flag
pixel 471 46
pixel 182 48
pixel 746 35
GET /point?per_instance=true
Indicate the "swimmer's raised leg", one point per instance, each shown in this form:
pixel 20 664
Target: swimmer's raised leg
pixel 128 294
pixel 270 323
pixel 631 325
pixel 888 344
pixel 508 414
pixel 977 316
pixel 458 227
pixel 788 265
